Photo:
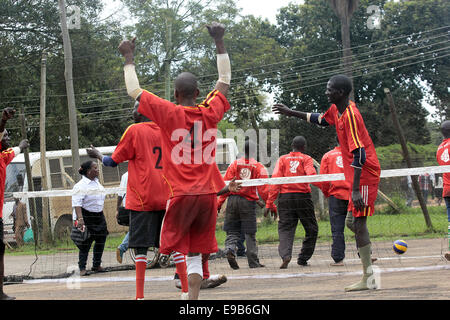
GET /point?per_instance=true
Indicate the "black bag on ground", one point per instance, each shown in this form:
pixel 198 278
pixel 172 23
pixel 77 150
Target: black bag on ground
pixel 123 218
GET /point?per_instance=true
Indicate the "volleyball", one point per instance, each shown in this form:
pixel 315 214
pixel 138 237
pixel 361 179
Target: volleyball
pixel 400 246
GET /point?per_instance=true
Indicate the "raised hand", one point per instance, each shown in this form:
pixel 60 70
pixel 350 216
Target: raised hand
pixel 216 30
pixel 280 108
pixel 127 47
pixel 8 113
pixel 94 153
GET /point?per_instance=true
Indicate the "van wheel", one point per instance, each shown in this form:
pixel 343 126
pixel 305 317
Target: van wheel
pixel 63 228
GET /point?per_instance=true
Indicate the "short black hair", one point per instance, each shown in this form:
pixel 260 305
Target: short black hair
pixel 186 84
pixel 85 166
pixel 342 82
pixel 299 142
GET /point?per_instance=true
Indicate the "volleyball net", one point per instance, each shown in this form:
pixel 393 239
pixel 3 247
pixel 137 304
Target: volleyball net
pixel 398 215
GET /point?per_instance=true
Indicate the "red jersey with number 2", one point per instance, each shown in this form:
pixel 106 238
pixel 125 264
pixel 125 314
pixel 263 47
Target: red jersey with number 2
pixel 140 145
pixel 188 136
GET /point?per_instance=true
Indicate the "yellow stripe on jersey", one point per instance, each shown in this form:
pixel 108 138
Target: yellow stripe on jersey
pixel 353 129
pixel 123 135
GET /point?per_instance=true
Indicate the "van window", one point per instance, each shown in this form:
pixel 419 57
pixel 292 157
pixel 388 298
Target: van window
pixel 55 174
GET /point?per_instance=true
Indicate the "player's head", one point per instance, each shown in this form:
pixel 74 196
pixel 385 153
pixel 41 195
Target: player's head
pixel 137 117
pixel 249 149
pixel 338 88
pixel 6 140
pixel 186 87
pixel 298 144
pixel 445 129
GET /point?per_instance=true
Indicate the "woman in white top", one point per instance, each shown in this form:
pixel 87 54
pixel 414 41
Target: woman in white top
pixel 88 212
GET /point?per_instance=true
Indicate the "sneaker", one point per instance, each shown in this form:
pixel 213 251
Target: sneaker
pixel 184 296
pixel 83 273
pixel 259 265
pixel 285 263
pixel 232 260
pixel 178 283
pixel 213 282
pixel 337 263
pixel 447 256
pixel 119 255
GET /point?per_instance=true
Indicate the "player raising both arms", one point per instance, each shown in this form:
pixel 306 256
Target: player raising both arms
pixel 188 137
pixel 361 166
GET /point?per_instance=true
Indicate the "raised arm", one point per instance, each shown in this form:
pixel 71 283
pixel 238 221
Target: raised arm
pixel 126 48
pixel 216 31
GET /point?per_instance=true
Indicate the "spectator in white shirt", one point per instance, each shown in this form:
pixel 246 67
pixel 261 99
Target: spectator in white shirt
pixel 88 212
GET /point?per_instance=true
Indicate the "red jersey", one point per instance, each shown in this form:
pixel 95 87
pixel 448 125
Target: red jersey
pixel 443 158
pixel 332 163
pixel 6 157
pixel 352 135
pixel 147 189
pixel 244 169
pixel 188 136
pixel 290 165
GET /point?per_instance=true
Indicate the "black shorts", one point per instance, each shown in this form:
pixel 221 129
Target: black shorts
pixel 145 228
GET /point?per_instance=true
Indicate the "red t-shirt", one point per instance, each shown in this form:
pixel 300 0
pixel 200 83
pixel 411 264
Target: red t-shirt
pixel 244 169
pixel 290 165
pixel 332 163
pixel 443 158
pixel 147 190
pixel 188 136
pixel 352 134
pixel 6 157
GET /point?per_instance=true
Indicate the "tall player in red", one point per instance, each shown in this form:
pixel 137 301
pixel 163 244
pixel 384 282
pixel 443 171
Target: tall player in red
pixel 443 158
pixel 188 136
pixel 361 166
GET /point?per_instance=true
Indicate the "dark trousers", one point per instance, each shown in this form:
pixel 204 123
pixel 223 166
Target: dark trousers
pixel 291 208
pixel 338 213
pixel 98 231
pixel 86 247
pixel 240 218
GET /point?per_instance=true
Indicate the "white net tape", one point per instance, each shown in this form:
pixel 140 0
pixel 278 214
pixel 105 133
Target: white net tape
pixel 247 183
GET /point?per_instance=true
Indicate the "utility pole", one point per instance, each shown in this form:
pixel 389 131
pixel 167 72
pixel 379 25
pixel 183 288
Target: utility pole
pixel 402 139
pixel 46 225
pixel 168 59
pixel 70 90
pixel 32 201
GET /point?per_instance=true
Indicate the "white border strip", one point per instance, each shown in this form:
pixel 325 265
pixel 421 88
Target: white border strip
pixel 247 183
pixel 257 276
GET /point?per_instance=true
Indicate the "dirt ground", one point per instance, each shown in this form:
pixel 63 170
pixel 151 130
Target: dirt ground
pixel 420 274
